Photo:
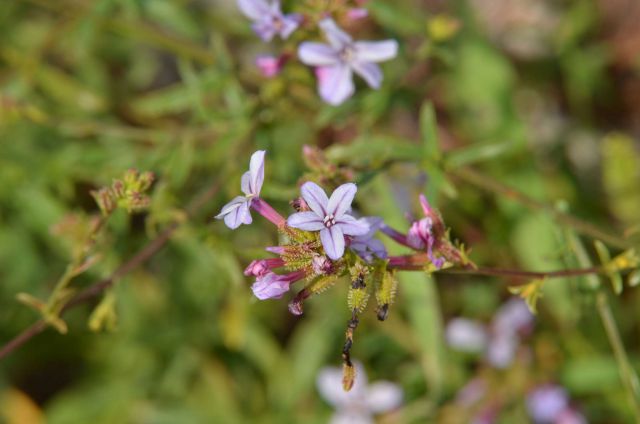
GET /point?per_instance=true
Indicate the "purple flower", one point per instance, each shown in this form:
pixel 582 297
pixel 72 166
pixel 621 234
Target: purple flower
pixel 236 212
pixel 268 19
pixel 546 403
pixel 341 57
pixel 273 286
pixel 365 245
pixel 329 216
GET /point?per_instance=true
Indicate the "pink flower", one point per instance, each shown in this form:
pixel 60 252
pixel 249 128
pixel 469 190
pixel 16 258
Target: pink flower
pixel 263 266
pixel 269 66
pixel 357 13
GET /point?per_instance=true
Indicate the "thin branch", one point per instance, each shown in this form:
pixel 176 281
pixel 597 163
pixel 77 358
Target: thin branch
pixel 417 262
pixel 96 289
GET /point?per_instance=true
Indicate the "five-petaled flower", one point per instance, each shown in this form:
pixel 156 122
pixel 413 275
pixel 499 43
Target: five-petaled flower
pixel 341 57
pixel 268 19
pixel 236 212
pixel 329 216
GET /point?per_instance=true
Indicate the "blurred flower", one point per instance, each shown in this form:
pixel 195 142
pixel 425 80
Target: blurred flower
pixel 341 57
pixel 357 13
pixel 272 286
pixel 236 212
pixel 365 245
pixel 269 66
pixel 513 317
pixel 546 403
pixel 268 19
pixel 329 216
pixel 363 400
pixel 500 340
pixel 466 335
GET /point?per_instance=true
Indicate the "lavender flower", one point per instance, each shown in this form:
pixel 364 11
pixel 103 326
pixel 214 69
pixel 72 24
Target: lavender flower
pixel 360 403
pixel 236 212
pixel 365 245
pixel 268 19
pixel 546 403
pixel 341 57
pixel 272 286
pixel 329 216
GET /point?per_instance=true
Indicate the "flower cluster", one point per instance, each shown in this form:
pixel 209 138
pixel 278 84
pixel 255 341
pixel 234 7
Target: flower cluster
pixel 334 63
pixel 325 240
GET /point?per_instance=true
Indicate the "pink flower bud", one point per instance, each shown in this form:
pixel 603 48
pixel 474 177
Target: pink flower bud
pixel 269 66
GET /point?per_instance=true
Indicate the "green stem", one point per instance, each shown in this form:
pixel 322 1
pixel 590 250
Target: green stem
pixel 627 373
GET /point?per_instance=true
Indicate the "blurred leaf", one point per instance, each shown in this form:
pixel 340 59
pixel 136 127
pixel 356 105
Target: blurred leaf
pixel 621 177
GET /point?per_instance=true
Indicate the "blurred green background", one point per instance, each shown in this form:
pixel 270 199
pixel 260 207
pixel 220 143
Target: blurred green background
pixel 542 96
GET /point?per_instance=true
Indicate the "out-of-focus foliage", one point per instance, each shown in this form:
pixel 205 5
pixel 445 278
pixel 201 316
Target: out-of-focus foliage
pixel 542 96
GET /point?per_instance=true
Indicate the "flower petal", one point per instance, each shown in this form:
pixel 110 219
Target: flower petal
pixel 370 72
pixel 307 221
pixel 238 216
pixel 256 170
pixel 383 396
pixel 335 83
pixel 377 248
pixel 233 204
pixel 315 197
pixel 254 9
pixel 270 286
pixel 353 227
pixel 333 241
pixel 245 183
pixel 340 201
pixel 289 24
pixel 264 29
pixel 336 37
pixel 317 54
pixel 375 51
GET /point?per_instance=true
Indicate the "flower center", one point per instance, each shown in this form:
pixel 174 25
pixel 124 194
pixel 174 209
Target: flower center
pixel 329 221
pixel 347 54
pixel 277 23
